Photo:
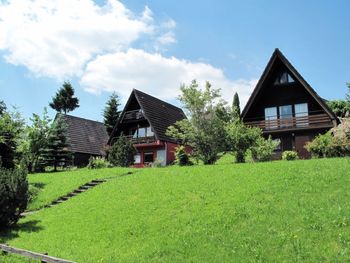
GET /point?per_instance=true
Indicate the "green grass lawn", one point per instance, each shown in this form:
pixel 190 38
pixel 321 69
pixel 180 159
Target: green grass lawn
pixel 280 211
pixel 50 186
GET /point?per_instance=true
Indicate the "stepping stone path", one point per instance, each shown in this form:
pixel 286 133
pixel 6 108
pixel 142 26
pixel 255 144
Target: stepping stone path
pixel 64 198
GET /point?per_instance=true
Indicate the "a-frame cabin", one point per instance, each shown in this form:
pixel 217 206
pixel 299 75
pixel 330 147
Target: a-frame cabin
pixel 145 120
pixel 285 106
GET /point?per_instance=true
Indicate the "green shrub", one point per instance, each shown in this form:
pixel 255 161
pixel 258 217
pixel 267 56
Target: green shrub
pixel 33 192
pixel 263 150
pixel 319 147
pixel 289 155
pixel 181 156
pixel 97 163
pixel 122 152
pixel 14 195
pixel 157 163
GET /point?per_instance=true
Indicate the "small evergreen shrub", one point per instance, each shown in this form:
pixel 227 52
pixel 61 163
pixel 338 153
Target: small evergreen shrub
pixel 122 152
pixel 98 163
pixel 181 156
pixel 14 195
pixel 263 150
pixel 289 155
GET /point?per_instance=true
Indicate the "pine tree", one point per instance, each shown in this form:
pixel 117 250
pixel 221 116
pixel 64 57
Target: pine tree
pixel 111 113
pixel 236 110
pixel 64 100
pixel 2 107
pixel 56 152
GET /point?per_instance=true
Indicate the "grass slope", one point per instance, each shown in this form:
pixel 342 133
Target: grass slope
pixel 53 185
pixel 272 212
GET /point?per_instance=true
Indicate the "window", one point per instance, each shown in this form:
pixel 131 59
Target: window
pixel 301 114
pixel 286 115
pixel 142 132
pixel 284 78
pixel 137 158
pixel 149 132
pixel 148 157
pixel 271 117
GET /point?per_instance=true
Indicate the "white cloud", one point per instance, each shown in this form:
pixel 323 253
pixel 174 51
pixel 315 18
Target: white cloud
pixel 57 38
pixel 156 74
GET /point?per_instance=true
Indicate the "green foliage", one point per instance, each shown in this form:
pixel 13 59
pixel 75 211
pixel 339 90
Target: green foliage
pixel 14 196
pixel 203 130
pixel 341 108
pixel 348 94
pixel 122 152
pixel 289 155
pixel 335 143
pixel 35 140
pixel 2 107
pixel 111 113
pixel 97 163
pixel 181 156
pixel 236 109
pixel 319 146
pixel 56 152
pixel 263 149
pixel 157 164
pixel 64 100
pixel 11 129
pixel 241 138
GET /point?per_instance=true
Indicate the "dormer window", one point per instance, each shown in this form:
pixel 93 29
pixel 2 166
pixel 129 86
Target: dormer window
pixel 284 78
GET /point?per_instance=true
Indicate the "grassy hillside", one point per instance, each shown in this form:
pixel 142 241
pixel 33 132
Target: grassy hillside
pixel 273 212
pixel 50 186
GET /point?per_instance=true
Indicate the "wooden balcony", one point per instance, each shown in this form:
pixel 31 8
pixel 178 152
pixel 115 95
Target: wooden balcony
pixel 133 115
pixel 142 140
pixel 274 124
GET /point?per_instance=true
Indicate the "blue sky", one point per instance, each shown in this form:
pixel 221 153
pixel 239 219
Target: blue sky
pixel 106 46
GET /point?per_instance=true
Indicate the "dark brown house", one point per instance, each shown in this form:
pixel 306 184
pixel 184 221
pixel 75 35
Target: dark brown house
pixel 145 120
pixel 86 138
pixel 285 106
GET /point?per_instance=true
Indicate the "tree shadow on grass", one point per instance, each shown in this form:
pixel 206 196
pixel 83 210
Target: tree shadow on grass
pixel 13 232
pixel 38 185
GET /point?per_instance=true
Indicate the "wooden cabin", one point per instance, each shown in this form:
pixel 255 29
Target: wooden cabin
pixel 286 108
pixel 144 121
pixel 86 138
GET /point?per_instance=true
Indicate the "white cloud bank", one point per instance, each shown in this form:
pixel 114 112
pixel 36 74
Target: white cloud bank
pixel 56 38
pixel 78 38
pixel 155 74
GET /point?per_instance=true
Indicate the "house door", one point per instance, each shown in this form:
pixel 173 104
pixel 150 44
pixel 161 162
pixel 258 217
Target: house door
pixel 300 142
pixel 287 143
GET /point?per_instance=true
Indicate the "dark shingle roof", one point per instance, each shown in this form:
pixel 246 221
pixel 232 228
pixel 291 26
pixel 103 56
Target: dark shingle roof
pixel 85 136
pixel 159 114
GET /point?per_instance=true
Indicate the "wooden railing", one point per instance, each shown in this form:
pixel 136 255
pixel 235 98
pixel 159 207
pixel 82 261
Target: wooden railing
pixel 33 255
pixel 142 140
pixel 293 122
pixel 133 115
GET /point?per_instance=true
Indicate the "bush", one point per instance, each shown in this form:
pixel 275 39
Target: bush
pixel 181 156
pixel 319 147
pixel 14 195
pixel 289 155
pixel 157 163
pixel 97 163
pixel 263 150
pixel 122 152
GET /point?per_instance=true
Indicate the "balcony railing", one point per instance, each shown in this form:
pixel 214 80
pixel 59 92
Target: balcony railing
pixel 133 115
pixel 142 140
pixel 274 123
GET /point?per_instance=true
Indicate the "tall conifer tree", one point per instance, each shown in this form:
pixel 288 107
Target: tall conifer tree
pixel 111 113
pixel 64 100
pixel 236 110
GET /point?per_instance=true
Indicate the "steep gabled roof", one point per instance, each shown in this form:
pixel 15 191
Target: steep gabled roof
pixel 159 114
pixel 85 136
pixel 277 55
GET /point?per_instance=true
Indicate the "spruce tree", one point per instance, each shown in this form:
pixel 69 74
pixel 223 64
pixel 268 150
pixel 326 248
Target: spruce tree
pixel 56 152
pixel 64 100
pixel 111 113
pixel 236 110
